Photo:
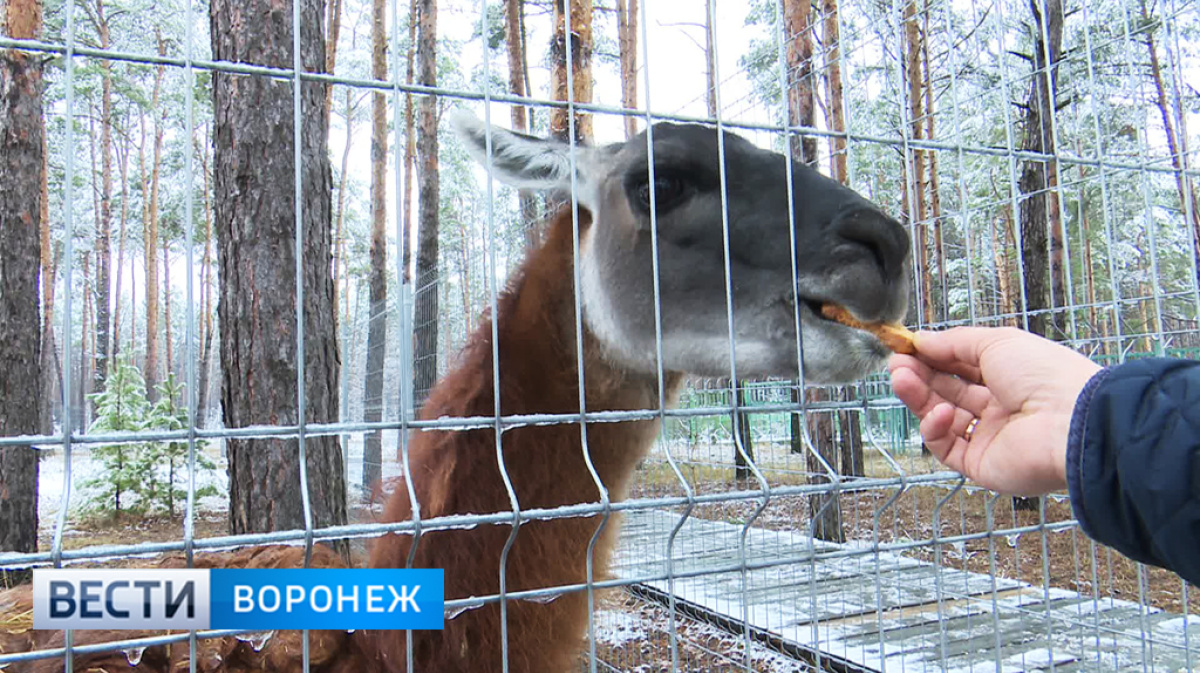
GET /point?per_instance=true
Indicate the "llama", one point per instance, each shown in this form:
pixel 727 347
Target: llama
pixel 846 252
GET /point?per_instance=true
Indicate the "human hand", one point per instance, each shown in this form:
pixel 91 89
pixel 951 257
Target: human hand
pixel 1021 387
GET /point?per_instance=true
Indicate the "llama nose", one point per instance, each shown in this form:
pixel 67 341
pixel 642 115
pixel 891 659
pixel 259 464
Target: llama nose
pixel 879 238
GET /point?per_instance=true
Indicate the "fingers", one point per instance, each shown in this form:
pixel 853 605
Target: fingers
pixel 960 350
pixel 942 429
pixel 921 387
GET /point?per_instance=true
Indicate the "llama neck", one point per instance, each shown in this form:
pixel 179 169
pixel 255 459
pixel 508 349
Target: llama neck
pixel 539 359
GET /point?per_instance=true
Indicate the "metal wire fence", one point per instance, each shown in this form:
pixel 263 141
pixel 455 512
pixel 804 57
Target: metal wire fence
pixel 725 560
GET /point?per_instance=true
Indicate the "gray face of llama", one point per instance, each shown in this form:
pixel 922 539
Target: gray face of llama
pixel 846 251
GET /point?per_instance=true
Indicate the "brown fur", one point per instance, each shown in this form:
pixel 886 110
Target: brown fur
pixel 457 473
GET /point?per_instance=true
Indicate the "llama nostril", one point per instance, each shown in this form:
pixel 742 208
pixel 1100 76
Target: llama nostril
pixel 881 238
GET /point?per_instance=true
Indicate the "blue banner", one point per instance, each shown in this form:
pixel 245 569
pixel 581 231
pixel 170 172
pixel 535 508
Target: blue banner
pixel 327 599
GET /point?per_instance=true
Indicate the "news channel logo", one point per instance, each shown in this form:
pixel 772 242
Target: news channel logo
pixel 192 599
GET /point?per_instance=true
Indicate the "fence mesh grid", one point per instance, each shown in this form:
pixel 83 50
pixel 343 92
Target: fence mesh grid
pixel 774 525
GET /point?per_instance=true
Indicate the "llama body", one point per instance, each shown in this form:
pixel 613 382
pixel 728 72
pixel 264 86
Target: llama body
pixel 846 251
pixel 457 473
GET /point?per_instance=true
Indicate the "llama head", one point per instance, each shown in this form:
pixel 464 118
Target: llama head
pixel 846 250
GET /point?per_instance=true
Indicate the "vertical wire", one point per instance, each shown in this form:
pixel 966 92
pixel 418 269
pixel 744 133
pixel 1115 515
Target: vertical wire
pixel 1010 147
pixel 497 425
pixel 1105 205
pixel 405 318
pixel 939 590
pixel 298 197
pixel 689 492
pixel 737 420
pixel 68 431
pixel 1189 216
pixel 605 503
pixel 190 318
pixel 1189 197
pixel 1052 112
pixel 301 370
pixel 1143 154
pixel 960 161
pixel 805 437
pixel 989 509
pixel 912 182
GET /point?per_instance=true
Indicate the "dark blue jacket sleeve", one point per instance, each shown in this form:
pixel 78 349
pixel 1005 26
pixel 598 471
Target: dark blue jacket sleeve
pixel 1133 462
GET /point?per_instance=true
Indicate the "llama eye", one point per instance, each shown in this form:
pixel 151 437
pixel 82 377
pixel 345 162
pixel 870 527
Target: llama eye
pixel 669 191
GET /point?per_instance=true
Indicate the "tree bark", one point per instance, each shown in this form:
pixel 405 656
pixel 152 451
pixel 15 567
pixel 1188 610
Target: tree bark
pixel 21 144
pixel 372 460
pixel 256 220
pixel 627 41
pixel 825 508
pixel 333 24
pixel 123 158
pixel 580 89
pixel 916 203
pixel 935 196
pixel 206 310
pixel 425 355
pixel 800 93
pixel 410 152
pixel 51 367
pixel 1038 182
pixel 151 373
pixel 1176 141
pixel 833 71
pixel 1035 181
pixel 741 470
pixel 850 435
pixel 169 365
pixel 103 245
pixel 86 354
pixel 519 86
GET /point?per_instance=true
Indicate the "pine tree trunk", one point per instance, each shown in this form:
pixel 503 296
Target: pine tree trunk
pixel 256 219
pixel 121 238
pixel 800 93
pixel 153 366
pixel 103 245
pixel 916 181
pixel 1035 179
pixel 206 310
pixel 580 89
pixel 833 72
pixel 82 416
pixel 1039 214
pixel 51 366
pixel 935 197
pixel 333 25
pixel 426 296
pixel 372 461
pixel 850 434
pixel 410 152
pixel 741 470
pixel 1176 141
pixel 825 508
pixel 627 41
pixel 21 145
pixel 519 86
pixel 169 365
pixel 340 269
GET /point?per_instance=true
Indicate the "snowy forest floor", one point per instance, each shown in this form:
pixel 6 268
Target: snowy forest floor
pixel 633 634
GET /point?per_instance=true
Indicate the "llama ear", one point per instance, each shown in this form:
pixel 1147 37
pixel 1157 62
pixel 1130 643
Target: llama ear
pixel 524 161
